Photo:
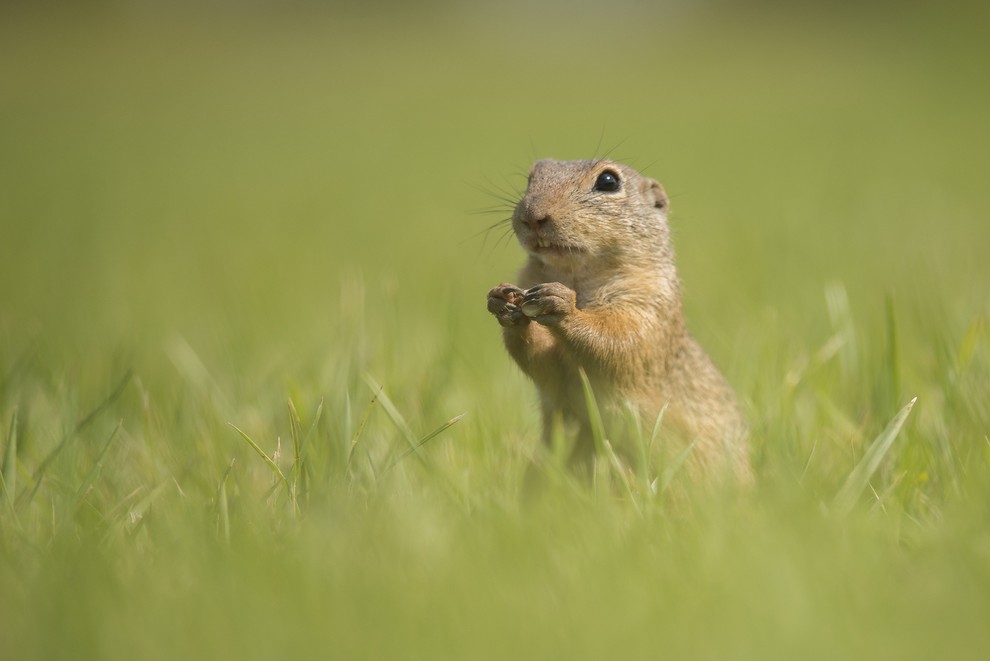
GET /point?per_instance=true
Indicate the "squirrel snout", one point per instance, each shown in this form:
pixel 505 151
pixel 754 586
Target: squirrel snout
pixel 534 216
pixel 536 222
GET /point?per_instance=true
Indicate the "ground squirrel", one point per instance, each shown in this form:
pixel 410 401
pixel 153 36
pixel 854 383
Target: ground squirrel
pixel 600 292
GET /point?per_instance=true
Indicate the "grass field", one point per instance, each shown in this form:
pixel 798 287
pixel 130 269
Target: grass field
pixel 221 225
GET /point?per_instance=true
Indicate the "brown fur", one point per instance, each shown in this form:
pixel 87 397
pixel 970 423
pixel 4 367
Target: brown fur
pixel 600 292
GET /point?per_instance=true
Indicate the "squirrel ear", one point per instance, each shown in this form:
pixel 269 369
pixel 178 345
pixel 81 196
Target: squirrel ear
pixel 654 192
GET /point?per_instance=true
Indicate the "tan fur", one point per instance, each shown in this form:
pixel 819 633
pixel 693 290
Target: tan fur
pixel 600 292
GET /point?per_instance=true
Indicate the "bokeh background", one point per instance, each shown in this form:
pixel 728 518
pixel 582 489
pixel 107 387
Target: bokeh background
pixel 224 206
pixel 210 168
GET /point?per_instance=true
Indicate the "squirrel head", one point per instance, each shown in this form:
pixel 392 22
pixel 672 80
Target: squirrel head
pixel 602 211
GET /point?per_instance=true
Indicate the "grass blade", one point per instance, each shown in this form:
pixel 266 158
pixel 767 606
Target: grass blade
pixel 312 427
pixel 670 471
pixel 840 313
pixel 860 476
pixel 970 343
pixel 307 470
pixel 640 444
pixel 656 427
pixel 421 442
pixel 97 467
pixel 594 414
pixel 295 431
pixel 620 470
pixel 601 466
pixel 360 430
pixel 807 463
pixel 82 424
pixel 8 474
pixel 223 510
pixel 133 518
pixel 392 411
pixel 880 498
pixel 261 453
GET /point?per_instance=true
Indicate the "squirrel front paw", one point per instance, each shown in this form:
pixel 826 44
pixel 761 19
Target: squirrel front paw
pixel 504 302
pixel 548 303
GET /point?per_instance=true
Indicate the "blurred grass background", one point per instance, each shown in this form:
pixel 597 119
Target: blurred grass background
pixel 210 211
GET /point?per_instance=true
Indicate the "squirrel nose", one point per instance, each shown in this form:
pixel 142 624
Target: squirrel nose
pixel 537 221
pixel 534 213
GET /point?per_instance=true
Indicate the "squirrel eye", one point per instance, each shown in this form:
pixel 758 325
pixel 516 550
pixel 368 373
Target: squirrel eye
pixel 607 182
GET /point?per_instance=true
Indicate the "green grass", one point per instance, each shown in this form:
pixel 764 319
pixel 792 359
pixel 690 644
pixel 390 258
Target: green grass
pixel 252 405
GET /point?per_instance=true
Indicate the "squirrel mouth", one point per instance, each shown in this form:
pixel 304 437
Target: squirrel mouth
pixel 544 246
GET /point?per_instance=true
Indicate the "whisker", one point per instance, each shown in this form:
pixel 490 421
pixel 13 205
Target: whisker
pixel 601 138
pixel 506 236
pixel 484 232
pixel 505 194
pixel 500 195
pixel 647 167
pixel 490 210
pixel 608 152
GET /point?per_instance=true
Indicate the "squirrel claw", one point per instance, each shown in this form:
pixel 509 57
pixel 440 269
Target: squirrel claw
pixel 504 302
pixel 548 303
